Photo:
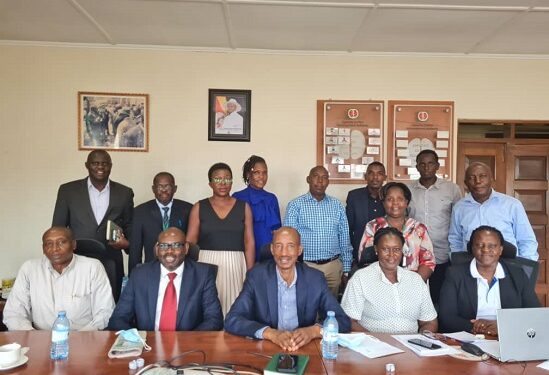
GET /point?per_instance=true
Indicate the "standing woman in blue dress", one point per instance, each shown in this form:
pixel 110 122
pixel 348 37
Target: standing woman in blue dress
pixel 264 205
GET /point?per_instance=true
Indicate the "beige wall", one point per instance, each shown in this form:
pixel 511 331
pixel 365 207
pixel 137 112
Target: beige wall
pixel 38 132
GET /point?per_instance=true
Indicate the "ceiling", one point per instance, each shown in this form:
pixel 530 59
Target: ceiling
pixel 462 27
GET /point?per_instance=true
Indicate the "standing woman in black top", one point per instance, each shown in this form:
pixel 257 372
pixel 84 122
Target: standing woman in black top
pixel 222 227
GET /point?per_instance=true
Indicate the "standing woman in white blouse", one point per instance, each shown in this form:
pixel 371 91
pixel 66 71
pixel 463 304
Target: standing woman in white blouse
pixel 385 297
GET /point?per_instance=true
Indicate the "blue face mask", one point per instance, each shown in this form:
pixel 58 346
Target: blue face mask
pixel 132 335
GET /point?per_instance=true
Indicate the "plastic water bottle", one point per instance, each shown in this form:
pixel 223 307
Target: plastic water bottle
pixel 60 337
pixel 124 283
pixel 329 337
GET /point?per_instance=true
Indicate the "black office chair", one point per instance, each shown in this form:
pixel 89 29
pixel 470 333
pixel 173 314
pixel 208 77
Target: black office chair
pixel 192 254
pixel 265 252
pixel 92 248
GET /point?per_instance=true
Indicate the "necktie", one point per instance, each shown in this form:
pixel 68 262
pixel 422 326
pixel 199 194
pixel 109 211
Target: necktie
pixel 165 218
pixel 168 315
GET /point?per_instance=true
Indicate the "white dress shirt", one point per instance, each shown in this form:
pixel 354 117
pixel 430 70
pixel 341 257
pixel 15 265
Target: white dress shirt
pixel 488 296
pixel 164 280
pixel 82 289
pixel 160 206
pixel 99 200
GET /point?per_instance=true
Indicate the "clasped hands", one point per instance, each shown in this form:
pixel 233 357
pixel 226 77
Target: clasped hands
pixel 292 341
pixel 485 327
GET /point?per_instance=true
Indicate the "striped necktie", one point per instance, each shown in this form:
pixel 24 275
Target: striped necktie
pixel 165 218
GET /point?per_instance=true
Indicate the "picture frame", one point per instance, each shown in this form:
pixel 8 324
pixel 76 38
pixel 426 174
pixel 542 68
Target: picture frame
pixel 113 121
pixel 229 115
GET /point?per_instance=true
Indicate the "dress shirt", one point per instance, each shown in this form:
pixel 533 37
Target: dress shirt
pixel 433 207
pixel 499 211
pixel 164 280
pixel 99 200
pixel 417 249
pixel 323 228
pixel 381 306
pixel 160 206
pixel 287 305
pixel 82 289
pixel 375 207
pixel 489 300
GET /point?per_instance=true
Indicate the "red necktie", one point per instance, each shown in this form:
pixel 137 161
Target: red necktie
pixel 168 316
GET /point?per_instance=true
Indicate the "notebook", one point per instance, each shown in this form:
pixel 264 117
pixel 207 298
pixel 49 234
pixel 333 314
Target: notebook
pixel 523 335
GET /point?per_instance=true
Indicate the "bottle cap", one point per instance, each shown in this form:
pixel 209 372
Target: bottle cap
pixel 132 365
pixel 140 362
pixel 390 368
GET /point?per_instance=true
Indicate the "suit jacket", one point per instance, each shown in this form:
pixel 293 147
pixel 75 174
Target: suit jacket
pixel 459 298
pixel 147 225
pixel 357 216
pixel 198 309
pixel 257 304
pixel 73 210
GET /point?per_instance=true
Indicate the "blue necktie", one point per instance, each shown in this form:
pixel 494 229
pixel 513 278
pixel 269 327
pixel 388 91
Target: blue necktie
pixel 165 218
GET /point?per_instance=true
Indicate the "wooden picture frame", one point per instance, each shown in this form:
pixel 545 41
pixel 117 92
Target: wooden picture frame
pixel 350 136
pixel 113 121
pixel 414 126
pixel 229 115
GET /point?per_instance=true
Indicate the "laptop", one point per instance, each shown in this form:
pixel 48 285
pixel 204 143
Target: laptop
pixel 523 335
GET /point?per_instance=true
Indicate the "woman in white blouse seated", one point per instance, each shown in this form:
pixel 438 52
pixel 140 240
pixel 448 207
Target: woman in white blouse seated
pixel 473 292
pixel 385 297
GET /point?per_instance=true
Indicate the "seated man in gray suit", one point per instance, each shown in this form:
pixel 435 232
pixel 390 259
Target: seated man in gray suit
pixel 152 217
pixel 86 205
pixel 281 299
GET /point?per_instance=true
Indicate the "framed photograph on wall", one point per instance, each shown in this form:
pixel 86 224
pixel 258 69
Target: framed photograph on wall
pixel 229 113
pixel 112 121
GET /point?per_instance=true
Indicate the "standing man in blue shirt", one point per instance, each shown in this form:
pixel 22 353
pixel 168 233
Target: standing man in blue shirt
pixel 364 204
pixel 321 221
pixel 485 206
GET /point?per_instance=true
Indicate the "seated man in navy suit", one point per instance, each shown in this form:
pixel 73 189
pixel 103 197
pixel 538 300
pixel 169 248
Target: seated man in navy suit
pixel 154 216
pixel 281 299
pixel 171 294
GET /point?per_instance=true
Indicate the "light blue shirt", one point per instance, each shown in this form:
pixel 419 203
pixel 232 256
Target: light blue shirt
pixel 488 297
pixel 323 227
pixel 499 211
pixel 287 305
pixel 169 205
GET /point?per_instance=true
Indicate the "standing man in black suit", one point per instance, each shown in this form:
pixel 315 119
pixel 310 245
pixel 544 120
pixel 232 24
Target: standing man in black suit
pixel 86 205
pixel 364 204
pixel 152 217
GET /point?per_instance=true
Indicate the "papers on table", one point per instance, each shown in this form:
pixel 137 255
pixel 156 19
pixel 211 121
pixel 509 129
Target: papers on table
pixel 425 352
pixel 367 345
pixel 544 365
pixel 462 336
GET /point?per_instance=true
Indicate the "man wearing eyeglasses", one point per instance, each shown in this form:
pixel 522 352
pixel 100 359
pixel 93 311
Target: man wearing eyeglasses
pixel 85 206
pixel 154 216
pixel 170 294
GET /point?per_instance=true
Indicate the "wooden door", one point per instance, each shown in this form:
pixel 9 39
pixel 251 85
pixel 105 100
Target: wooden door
pixel 527 173
pixel 492 154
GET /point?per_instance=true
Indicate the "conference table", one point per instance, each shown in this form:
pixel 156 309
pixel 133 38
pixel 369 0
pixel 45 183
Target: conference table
pixel 88 355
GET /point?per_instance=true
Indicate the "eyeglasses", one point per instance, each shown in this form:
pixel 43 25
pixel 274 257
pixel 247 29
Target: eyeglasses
pixel 167 187
pixel 219 181
pixel 390 250
pixel 176 246
pixel 48 245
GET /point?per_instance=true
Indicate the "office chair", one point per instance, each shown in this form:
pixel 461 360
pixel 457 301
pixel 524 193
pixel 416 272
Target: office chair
pixel 192 254
pixel 92 248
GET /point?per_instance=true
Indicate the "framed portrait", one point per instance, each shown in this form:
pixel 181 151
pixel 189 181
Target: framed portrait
pixel 112 121
pixel 229 114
